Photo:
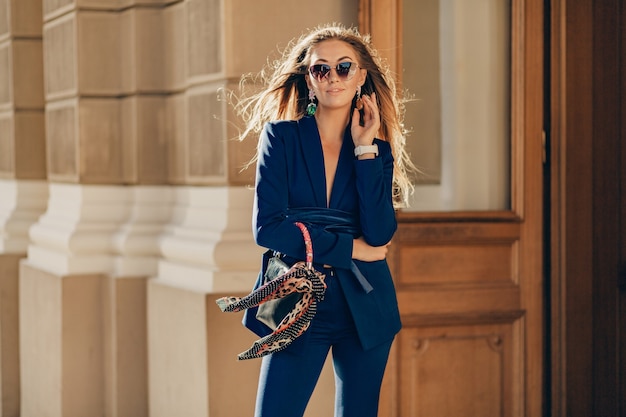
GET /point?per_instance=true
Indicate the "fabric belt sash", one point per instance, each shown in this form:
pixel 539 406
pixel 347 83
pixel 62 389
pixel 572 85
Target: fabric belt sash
pixel 332 220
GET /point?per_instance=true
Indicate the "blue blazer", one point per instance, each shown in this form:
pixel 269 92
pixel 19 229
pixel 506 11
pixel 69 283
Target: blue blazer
pixel 290 174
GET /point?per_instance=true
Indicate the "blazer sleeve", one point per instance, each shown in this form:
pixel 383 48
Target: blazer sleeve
pixel 270 227
pixel 374 181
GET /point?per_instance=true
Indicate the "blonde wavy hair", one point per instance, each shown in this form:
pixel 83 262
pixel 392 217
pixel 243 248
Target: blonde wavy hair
pixel 285 96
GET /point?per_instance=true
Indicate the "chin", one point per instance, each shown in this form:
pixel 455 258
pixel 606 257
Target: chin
pixel 337 106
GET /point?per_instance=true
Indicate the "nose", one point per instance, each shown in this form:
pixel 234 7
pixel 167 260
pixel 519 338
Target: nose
pixel 333 76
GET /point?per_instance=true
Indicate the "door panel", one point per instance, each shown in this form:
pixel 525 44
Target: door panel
pixel 461 269
pixel 470 284
pixel 452 371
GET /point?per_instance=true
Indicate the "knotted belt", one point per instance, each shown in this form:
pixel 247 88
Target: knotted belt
pixel 332 220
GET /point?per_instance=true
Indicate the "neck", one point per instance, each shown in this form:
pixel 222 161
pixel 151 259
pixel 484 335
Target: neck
pixel 332 123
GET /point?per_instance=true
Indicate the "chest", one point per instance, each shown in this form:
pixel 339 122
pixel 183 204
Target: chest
pixel 330 154
pixel 322 177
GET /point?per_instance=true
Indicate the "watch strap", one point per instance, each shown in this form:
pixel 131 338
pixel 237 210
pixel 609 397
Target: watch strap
pixel 360 150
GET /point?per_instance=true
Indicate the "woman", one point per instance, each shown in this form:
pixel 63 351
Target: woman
pixel 331 143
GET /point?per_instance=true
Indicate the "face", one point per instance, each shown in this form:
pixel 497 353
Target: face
pixel 336 88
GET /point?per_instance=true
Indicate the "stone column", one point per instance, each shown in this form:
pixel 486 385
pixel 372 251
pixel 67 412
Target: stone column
pixel 83 331
pixel 83 300
pixel 23 189
pixel 148 219
pixel 207 248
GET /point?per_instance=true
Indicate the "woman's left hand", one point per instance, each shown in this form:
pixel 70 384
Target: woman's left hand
pixel 364 135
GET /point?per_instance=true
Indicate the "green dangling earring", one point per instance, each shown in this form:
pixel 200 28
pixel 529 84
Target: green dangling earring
pixel 312 107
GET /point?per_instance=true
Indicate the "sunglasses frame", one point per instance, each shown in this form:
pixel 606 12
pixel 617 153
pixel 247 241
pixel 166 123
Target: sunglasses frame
pixel 344 76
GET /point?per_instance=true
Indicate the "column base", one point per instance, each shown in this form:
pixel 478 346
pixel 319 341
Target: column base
pixel 61 344
pixel 82 345
pixel 192 356
pixel 193 366
pixel 9 334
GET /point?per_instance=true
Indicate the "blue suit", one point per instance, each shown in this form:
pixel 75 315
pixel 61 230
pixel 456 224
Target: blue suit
pixel 290 174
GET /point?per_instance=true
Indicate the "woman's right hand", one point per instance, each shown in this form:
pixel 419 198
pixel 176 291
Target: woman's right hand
pixel 362 251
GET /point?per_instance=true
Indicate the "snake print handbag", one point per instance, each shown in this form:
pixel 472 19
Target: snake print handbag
pixel 272 312
pixel 300 279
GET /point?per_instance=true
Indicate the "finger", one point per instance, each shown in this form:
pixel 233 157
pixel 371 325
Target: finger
pixel 355 118
pixel 374 114
pixel 368 109
pixel 372 106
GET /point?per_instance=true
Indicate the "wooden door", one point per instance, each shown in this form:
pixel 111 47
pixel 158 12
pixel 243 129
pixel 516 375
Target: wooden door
pixel 621 324
pixel 588 198
pixel 470 284
pixel 609 208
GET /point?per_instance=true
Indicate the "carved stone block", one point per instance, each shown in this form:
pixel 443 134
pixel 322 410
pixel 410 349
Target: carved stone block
pixel 30 146
pixel 28 74
pixel 206 136
pixel 83 54
pixel 204 38
pixel 100 141
pixel 240 153
pixel 25 18
pixel 22 147
pixel 120 4
pixel 99 40
pixel 6 81
pixel 21 63
pixel 173 47
pixel 145 139
pixel 84 140
pixel 5 24
pixel 56 7
pixel 143 63
pixel 7 142
pixel 62 140
pixel 60 54
pixel 176 134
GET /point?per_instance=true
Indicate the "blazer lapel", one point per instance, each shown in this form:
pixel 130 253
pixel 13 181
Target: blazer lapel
pixel 345 169
pixel 313 158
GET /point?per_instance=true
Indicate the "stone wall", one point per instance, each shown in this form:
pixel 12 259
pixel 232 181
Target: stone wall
pixel 124 211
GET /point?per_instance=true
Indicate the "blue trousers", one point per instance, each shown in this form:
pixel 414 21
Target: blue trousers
pixel 288 378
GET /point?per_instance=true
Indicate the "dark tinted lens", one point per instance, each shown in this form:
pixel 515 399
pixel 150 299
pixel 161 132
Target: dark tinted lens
pixel 319 71
pixel 343 69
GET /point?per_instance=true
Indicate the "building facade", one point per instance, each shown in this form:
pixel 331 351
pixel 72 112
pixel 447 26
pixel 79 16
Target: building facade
pixel 124 209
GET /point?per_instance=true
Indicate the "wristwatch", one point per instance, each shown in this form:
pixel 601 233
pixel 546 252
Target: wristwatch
pixel 360 150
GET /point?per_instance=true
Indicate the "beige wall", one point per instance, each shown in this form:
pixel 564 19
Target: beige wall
pixel 122 192
pixel 22 150
pixel 9 332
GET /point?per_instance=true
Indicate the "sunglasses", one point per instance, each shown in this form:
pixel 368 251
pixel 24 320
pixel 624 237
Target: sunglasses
pixel 345 71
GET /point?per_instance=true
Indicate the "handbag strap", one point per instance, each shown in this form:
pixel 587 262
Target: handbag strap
pixel 307 244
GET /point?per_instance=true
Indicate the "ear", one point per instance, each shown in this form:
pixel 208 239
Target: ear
pixel 308 81
pixel 362 76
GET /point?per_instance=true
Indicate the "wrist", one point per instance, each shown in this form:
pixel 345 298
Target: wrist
pixel 355 249
pixel 361 150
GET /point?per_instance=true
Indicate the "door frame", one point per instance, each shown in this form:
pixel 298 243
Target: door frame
pixel 588 168
pixel 527 172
